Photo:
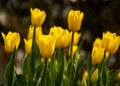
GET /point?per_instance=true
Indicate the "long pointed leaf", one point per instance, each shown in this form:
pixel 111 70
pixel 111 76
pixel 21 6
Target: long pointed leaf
pixel 9 71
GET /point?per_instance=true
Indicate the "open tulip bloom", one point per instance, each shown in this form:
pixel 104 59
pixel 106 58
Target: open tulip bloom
pixel 45 63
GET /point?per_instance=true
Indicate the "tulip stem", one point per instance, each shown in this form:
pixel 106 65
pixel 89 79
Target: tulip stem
pixel 71 57
pixel 44 78
pixel 71 47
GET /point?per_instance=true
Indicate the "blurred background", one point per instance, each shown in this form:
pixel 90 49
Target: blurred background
pixel 99 16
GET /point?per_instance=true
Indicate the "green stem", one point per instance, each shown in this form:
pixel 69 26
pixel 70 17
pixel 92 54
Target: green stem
pixel 45 73
pixel 71 47
pixel 71 58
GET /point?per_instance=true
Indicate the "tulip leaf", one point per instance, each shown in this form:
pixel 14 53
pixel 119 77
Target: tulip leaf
pixel 48 81
pixel 112 77
pixel 52 68
pixel 9 71
pixel 75 59
pixel 26 68
pixel 38 76
pixel 20 81
pixel 65 81
pixel 60 73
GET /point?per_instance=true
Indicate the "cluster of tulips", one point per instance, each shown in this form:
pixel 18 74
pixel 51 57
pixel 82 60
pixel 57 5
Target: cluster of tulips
pixel 45 63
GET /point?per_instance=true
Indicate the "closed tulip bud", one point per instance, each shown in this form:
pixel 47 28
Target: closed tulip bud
pixel 85 74
pixel 11 41
pixel 97 55
pixel 75 19
pixel 28 45
pixel 118 76
pixel 83 82
pixel 110 42
pixel 37 17
pixel 65 39
pixel 94 76
pixel 74 49
pixel 47 45
pixel 76 37
pixel 56 31
pixel 97 42
pixel 38 32
pixel 62 36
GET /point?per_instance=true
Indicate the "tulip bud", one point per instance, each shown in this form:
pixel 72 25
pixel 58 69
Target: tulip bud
pixel 11 41
pixel 97 55
pixel 94 76
pixel 110 42
pixel 75 19
pixel 28 45
pixel 37 17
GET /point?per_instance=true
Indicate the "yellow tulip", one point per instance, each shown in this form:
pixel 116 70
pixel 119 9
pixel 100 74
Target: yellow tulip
pixel 11 40
pixel 97 54
pixel 83 82
pixel 62 36
pixel 75 19
pixel 85 74
pixel 76 37
pixel 110 42
pixel 65 39
pixel 118 76
pixel 75 47
pixel 38 32
pixel 97 42
pixel 94 76
pixel 47 45
pixel 37 17
pixel 28 45
pixel 57 31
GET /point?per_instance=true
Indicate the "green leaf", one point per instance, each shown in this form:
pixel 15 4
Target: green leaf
pixel 90 69
pixel 20 81
pixel 38 74
pixel 112 77
pixel 26 68
pixel 9 71
pixel 75 61
pixel 49 81
pixel 65 81
pixel 60 73
pixel 33 58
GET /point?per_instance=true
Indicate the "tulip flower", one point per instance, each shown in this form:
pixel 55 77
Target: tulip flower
pixel 83 82
pixel 65 38
pixel 98 43
pixel 47 45
pixel 11 41
pixel 74 49
pixel 110 42
pixel 85 74
pixel 38 33
pixel 28 45
pixel 94 76
pixel 76 37
pixel 97 55
pixel 37 17
pixel 118 76
pixel 62 36
pixel 75 19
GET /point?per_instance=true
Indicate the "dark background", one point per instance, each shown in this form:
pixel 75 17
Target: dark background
pixel 99 16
